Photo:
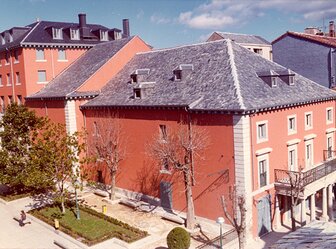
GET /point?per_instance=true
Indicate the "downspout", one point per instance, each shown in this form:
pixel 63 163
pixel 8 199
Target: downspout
pixel 191 155
pixel 252 151
pixel 12 74
pixel 52 63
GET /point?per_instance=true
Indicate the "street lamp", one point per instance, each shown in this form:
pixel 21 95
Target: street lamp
pixel 76 185
pixel 220 221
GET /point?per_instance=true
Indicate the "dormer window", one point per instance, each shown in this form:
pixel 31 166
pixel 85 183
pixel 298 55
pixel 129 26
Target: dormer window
pixel 2 39
pixel 57 33
pixel 291 80
pixel 103 35
pixel 133 78
pixel 177 74
pixel 137 93
pixel 74 34
pixel 10 37
pixel 139 75
pixel 182 71
pixel 274 81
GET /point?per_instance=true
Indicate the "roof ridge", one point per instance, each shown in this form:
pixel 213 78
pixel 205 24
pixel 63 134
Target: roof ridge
pixel 22 41
pixel 234 73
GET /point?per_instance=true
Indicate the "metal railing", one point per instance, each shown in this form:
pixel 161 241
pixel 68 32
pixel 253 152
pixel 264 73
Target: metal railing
pixel 309 176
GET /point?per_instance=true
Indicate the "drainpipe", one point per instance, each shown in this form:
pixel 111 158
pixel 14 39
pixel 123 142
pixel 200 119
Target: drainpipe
pixel 191 156
pixel 252 150
pixel 12 74
pixel 52 63
pixel 331 72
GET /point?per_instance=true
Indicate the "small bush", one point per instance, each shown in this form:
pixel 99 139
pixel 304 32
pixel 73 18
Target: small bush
pixel 178 238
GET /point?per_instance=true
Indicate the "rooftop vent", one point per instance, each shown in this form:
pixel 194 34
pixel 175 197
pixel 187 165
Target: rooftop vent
pixel 139 75
pixel 182 71
pixel 126 28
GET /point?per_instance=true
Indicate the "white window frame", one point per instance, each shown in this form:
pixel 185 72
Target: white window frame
pixel 308 126
pixel 274 81
pixel 331 120
pixel 57 33
pixel 330 136
pixel 38 78
pixel 103 35
pixel 8 79
pixel 74 34
pixel 309 163
pixel 292 131
pixel 264 157
pixel 61 54
pixel 40 54
pixel 291 80
pixel 17 78
pixel 294 166
pixel 265 138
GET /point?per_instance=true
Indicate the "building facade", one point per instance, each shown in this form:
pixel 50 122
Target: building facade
pixel 33 55
pixel 260 117
pixel 254 43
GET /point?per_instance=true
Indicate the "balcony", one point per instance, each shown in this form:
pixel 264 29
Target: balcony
pixel 285 179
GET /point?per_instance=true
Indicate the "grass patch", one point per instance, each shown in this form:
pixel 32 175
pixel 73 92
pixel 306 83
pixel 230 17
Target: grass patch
pixel 92 228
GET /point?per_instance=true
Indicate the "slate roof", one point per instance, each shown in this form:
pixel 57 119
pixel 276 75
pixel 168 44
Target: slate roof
pixel 67 82
pixel 224 78
pixel 38 34
pixel 324 40
pixel 243 38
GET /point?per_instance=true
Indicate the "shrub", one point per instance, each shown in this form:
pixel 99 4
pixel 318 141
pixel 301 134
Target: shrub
pixel 178 238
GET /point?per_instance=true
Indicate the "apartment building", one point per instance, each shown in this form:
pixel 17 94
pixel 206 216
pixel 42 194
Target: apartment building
pixel 33 55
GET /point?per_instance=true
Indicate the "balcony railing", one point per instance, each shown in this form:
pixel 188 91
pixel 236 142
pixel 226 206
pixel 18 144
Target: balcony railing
pixel 309 176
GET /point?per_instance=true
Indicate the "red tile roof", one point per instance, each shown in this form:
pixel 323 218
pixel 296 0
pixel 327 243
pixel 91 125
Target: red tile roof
pixel 324 40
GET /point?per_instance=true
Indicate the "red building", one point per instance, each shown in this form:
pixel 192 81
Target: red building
pixel 264 123
pixel 33 55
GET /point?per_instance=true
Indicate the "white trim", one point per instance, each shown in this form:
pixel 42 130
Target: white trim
pixel 332 115
pixel 263 189
pixel 234 74
pixel 264 139
pixel 263 151
pixel 308 137
pixel 41 60
pixel 330 130
pixel 307 127
pixel 294 148
pixel 293 141
pixel 42 82
pixel 291 132
pixel 309 164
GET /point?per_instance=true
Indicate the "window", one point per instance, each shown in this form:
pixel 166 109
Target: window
pixel 10 37
pixel 7 58
pixel 163 132
pixel 61 54
pixel 17 78
pixel 74 34
pixel 10 99
pixel 309 154
pixel 2 39
pixel 178 74
pixel 330 145
pixel 291 80
pixel 262 135
pixel 95 129
pixel 329 115
pixel 137 93
pixel 16 56
pixel 292 157
pixel 291 125
pixel 19 99
pixel 2 104
pixel 1 80
pixel 133 78
pixel 57 33
pixel 40 54
pixel 9 83
pixel 308 120
pixel 274 81
pixel 262 173
pixel 257 51
pixel 103 35
pixel 41 76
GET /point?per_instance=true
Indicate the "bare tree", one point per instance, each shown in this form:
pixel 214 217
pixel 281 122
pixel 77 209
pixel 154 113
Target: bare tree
pixel 296 188
pixel 107 146
pixel 177 149
pixel 237 217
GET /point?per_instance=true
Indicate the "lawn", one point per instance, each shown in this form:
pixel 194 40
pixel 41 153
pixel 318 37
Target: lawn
pixel 92 228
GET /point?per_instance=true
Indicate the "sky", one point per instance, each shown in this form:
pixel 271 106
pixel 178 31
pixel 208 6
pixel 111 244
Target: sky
pixel 169 23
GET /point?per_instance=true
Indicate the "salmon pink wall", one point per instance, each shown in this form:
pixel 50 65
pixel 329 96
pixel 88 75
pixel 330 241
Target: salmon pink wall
pixel 115 64
pixel 54 109
pixel 50 64
pixel 213 175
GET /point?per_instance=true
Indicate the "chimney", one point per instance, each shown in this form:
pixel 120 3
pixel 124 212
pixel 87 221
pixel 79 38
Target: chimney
pixel 82 20
pixel 126 29
pixel 331 29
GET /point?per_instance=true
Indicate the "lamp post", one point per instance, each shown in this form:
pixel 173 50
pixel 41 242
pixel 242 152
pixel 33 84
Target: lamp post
pixel 220 221
pixel 76 184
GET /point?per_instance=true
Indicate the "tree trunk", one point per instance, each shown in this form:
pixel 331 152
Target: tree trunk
pixel 62 204
pixel 293 215
pixel 189 199
pixel 241 240
pixel 113 186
